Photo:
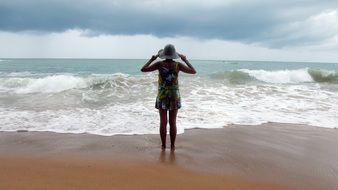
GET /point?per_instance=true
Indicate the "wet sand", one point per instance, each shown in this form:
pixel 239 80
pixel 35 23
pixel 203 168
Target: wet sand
pixel 269 156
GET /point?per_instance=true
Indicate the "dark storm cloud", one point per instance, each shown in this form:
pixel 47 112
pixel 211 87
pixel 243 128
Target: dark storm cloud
pixel 265 22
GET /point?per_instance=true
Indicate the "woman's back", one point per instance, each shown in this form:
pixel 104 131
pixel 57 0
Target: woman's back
pixel 168 73
pixel 168 96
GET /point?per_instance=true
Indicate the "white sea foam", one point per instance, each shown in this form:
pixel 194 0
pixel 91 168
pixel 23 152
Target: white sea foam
pixel 112 104
pixel 26 74
pixel 123 104
pixel 52 84
pixel 34 97
pixel 24 83
pixel 281 76
pixel 135 118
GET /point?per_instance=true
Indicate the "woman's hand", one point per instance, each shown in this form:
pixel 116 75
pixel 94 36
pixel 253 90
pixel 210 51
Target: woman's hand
pixel 187 69
pixel 154 57
pixel 183 57
pixel 147 67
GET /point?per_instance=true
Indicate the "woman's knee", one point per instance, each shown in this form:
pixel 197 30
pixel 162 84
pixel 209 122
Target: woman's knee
pixel 172 117
pixel 163 117
pixel 172 122
pixel 164 122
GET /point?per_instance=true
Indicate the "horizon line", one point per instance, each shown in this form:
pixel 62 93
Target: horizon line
pixel 219 60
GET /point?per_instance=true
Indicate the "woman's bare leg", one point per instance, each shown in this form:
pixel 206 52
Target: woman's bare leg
pixel 163 126
pixel 173 129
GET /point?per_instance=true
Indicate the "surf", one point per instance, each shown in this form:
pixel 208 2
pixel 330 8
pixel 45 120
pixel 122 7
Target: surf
pixel 63 82
pixel 297 76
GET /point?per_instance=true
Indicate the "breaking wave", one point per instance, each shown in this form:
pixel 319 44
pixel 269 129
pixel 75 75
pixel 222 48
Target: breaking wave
pixel 109 104
pixel 59 83
pixel 279 76
pixel 29 83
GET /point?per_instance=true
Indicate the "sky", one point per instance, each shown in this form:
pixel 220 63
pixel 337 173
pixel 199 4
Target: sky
pixel 288 30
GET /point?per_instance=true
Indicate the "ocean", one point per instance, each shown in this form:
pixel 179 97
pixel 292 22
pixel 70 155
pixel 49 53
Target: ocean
pixel 111 96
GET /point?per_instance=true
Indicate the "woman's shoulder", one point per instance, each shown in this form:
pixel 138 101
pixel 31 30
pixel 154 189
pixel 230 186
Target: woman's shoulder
pixel 177 64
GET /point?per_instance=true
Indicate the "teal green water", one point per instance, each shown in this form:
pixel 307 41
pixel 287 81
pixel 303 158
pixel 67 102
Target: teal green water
pixel 132 66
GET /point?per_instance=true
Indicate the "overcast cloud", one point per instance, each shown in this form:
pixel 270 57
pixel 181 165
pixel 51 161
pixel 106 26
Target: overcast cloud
pixel 274 23
pixel 271 24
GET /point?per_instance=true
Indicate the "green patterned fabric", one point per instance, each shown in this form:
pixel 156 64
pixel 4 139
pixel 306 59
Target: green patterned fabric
pixel 168 96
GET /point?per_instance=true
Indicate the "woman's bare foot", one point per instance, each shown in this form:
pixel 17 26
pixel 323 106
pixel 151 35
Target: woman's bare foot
pixel 172 147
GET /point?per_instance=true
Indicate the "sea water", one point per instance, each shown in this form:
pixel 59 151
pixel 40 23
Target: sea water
pixel 111 96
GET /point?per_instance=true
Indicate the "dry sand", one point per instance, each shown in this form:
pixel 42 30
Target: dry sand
pixel 269 156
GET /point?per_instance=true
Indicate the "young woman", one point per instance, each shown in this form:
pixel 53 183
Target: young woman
pixel 168 97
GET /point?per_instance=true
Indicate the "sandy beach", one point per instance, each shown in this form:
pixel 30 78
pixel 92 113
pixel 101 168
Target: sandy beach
pixel 268 156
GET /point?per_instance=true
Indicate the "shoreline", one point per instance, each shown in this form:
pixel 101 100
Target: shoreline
pixel 178 134
pixel 286 156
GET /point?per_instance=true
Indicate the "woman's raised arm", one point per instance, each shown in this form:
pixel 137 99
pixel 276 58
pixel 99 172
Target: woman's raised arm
pixel 186 69
pixel 147 67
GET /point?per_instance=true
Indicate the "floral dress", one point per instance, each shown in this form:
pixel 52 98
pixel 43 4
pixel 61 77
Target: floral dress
pixel 168 97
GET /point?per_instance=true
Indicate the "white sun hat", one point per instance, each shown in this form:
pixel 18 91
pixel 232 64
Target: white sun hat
pixel 168 52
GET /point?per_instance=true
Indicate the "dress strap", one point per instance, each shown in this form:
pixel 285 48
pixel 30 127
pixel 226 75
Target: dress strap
pixel 176 66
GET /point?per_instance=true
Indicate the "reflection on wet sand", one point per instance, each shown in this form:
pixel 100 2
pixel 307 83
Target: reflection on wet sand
pixel 170 159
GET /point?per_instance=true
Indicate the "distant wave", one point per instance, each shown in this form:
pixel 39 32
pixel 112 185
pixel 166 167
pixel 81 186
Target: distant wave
pixel 280 76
